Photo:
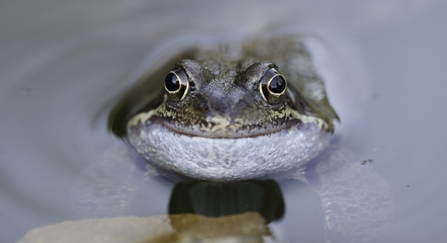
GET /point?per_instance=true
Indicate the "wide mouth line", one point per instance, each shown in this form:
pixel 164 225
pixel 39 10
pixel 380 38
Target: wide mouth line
pixel 246 134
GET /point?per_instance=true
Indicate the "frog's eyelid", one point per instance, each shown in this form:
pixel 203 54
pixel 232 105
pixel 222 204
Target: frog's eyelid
pixel 256 72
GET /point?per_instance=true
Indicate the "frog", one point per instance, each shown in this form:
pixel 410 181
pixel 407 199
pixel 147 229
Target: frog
pixel 256 112
pixel 254 109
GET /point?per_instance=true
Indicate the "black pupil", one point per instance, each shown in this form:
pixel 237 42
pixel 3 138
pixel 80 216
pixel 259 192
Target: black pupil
pixel 277 85
pixel 172 83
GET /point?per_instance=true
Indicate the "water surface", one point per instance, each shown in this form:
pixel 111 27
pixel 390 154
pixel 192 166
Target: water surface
pixel 65 64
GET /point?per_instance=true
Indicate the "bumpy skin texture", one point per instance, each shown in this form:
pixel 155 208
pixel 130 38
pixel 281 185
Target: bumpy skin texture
pixel 223 127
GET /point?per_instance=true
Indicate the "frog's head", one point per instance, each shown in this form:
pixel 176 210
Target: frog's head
pixel 229 99
pixel 225 119
pixel 215 100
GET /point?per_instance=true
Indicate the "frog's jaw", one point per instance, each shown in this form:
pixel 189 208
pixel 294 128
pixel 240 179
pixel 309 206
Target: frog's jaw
pixel 223 126
pixel 224 159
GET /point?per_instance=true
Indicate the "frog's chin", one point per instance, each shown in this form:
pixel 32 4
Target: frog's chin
pixel 223 159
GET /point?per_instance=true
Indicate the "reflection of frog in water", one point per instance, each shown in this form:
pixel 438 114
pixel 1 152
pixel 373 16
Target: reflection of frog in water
pixel 258 112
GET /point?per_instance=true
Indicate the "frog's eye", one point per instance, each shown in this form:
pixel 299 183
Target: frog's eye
pixel 176 84
pixel 272 86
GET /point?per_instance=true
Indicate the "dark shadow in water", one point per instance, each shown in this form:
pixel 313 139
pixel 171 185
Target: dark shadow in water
pixel 216 199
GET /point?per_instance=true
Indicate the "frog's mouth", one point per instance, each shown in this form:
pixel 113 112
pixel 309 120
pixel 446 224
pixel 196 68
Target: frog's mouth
pixel 223 130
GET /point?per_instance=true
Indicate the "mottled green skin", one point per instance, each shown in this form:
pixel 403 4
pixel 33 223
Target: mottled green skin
pixel 224 98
